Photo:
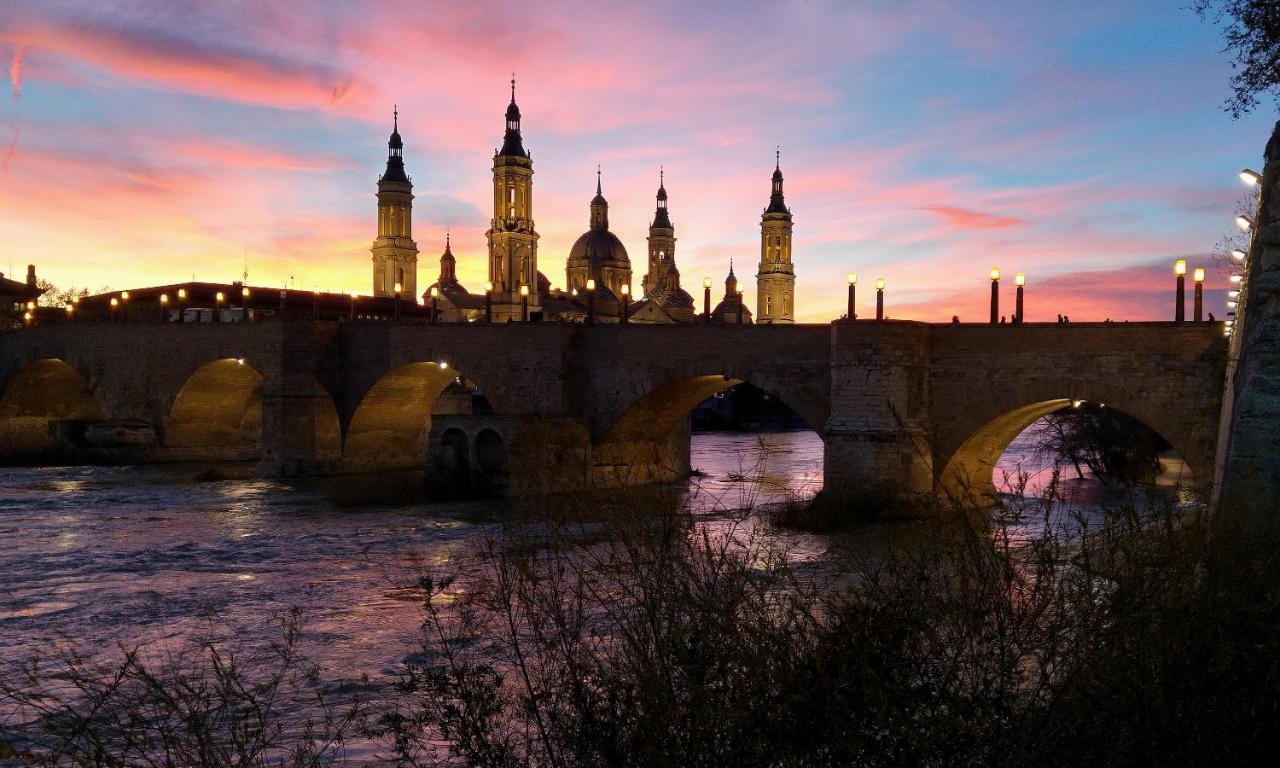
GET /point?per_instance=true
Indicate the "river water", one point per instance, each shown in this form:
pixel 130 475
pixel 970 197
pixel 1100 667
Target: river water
pixel 99 556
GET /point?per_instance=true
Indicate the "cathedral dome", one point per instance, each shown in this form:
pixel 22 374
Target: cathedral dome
pixel 600 246
pixel 394 142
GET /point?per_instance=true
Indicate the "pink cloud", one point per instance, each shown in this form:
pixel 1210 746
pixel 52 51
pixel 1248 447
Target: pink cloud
pixel 15 73
pixel 963 218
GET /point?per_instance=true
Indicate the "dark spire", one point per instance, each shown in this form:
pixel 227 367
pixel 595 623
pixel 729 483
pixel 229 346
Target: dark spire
pixel 731 282
pixel 395 151
pixel 599 207
pixel 777 204
pixel 512 145
pixel 660 217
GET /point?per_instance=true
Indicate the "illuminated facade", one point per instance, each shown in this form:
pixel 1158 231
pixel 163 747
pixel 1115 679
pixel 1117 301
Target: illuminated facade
pixel 513 242
pixel 776 277
pixel 395 255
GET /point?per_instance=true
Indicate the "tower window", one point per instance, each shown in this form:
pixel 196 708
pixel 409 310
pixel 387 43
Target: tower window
pixel 768 305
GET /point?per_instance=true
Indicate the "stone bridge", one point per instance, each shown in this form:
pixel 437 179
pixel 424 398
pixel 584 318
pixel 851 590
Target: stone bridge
pixel 902 407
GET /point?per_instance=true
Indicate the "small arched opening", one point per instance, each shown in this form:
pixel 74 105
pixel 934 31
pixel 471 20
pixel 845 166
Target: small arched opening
pixel 43 410
pixel 492 475
pixel 450 476
pixel 217 414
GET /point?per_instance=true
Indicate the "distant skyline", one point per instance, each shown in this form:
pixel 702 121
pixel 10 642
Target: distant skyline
pixel 923 142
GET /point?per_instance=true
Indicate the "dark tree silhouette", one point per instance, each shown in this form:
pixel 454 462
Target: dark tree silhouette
pixel 1251 29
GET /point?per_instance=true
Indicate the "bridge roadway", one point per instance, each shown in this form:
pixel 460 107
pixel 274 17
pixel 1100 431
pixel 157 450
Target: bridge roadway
pixel 903 407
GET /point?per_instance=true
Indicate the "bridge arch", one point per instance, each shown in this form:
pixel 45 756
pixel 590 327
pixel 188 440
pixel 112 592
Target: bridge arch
pixel 390 425
pixel 42 391
pixel 969 448
pixel 648 439
pixel 217 413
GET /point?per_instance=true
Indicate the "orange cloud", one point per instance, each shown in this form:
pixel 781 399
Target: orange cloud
pixel 15 73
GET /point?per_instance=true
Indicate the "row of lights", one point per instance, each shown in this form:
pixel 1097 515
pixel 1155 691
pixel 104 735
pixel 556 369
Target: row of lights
pixel 1246 223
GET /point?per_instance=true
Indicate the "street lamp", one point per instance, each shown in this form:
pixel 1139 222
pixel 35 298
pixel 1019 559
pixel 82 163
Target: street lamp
pixel 353 306
pixel 1198 311
pixel 1020 280
pixel 706 299
pixel 218 298
pixel 1244 222
pixel 435 305
pixel 115 303
pixel 488 302
pixel 853 288
pixel 995 295
pixel 1179 307
pixel 1236 278
pixel 396 288
pixel 625 290
pixel 164 305
pixel 880 298
pixel 591 301
pixel 524 303
pixel 1249 177
pixel 1238 254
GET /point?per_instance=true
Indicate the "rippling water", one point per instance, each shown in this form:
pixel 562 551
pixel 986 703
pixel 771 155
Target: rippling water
pixel 98 556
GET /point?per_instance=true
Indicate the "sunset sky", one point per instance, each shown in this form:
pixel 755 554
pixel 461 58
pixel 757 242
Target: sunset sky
pixel 923 142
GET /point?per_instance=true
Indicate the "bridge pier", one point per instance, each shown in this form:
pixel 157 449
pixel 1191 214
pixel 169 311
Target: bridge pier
pixel 877 438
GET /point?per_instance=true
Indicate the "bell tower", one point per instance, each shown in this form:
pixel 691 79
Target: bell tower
pixel 663 277
pixel 513 243
pixel 395 255
pixel 775 277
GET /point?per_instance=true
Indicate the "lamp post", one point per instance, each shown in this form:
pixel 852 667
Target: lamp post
pixel 626 292
pixel 1179 307
pixel 880 298
pixel 995 295
pixel 488 302
pixel 244 301
pixel 353 306
pixel 217 306
pixel 524 303
pixel 706 299
pixel 853 288
pixel 591 301
pixel 1198 276
pixel 182 304
pixel 124 305
pixel 115 304
pixel 71 311
pixel 397 292
pixel 164 305
pixel 435 305
pixel 1020 280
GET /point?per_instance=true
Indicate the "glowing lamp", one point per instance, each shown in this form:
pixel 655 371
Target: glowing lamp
pixel 31 305
pixel 853 278
pixel 706 282
pixel 244 292
pixel 182 293
pixel 1235 278
pixel 219 297
pixel 1238 255
pixel 1233 294
pixel 26 315
pixel 434 292
pixel 355 295
pixel 71 308
pixel 240 361
pixel 397 288
pixel 124 295
pixel 488 287
pixel 591 285
pixel 1020 279
pixel 1232 304
pixel 524 290
pixel 1077 403
pixel 626 290
pixel 1198 275
pixel 1244 222
pixel 574 292
pixel 1180 267
pixel 164 298
pixel 444 365
pixel 880 284
pixel 114 302
pixel 995 273
pixel 1250 178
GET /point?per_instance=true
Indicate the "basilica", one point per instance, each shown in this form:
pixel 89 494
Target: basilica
pixel 598 279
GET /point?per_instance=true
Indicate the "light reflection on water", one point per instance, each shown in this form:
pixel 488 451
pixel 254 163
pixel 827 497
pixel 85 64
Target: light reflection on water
pixel 100 556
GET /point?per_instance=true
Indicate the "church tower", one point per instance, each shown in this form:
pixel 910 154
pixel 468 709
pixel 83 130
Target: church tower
pixel 395 255
pixel 513 243
pixel 776 277
pixel 662 277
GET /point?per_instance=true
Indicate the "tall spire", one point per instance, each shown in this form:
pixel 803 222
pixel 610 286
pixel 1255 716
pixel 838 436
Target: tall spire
pixel 395 151
pixel 395 118
pixel 599 206
pixel 512 145
pixel 660 217
pixel 777 203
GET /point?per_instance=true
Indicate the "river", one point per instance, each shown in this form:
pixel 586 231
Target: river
pixel 100 556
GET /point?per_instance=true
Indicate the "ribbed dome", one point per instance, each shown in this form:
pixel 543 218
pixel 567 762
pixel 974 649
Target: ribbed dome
pixel 600 246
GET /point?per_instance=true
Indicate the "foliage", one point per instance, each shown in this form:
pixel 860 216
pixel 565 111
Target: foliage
pixel 1252 33
pixel 1114 446
pixel 57 297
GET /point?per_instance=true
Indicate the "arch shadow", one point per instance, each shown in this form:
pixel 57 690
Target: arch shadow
pixel 217 413
pixel 42 393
